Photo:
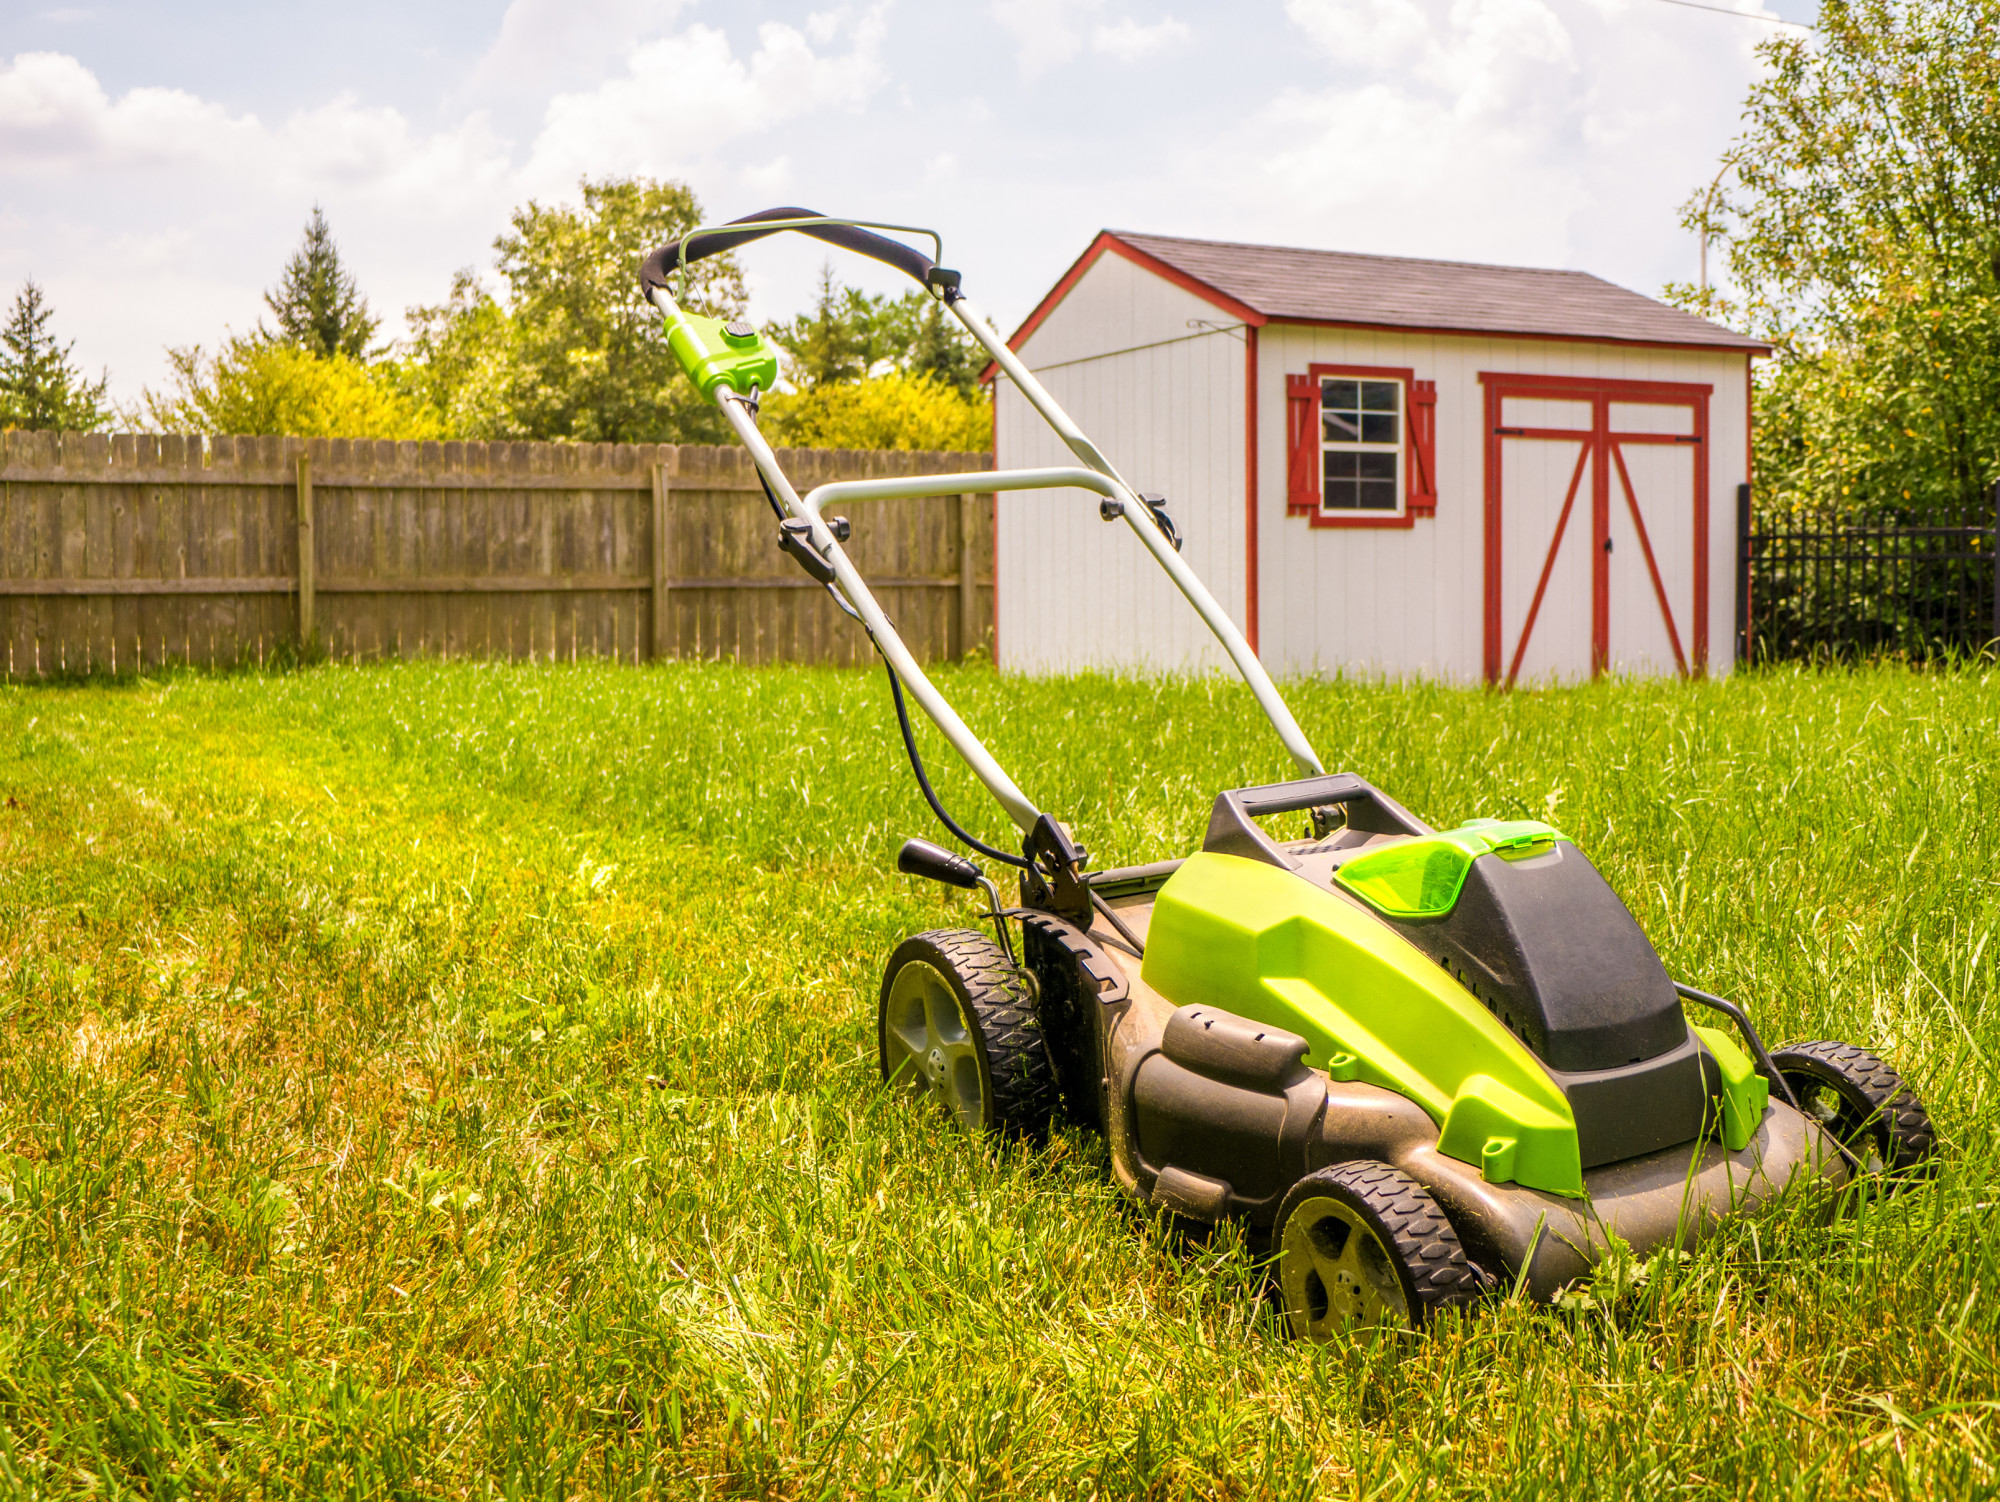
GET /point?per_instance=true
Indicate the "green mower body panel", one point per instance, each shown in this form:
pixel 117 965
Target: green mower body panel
pixel 1268 945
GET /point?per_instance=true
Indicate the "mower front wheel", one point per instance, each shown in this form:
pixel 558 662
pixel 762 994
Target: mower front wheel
pixel 957 1021
pixel 1364 1244
pixel 1862 1103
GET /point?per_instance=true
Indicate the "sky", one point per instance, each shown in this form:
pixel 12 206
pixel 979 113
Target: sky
pixel 158 162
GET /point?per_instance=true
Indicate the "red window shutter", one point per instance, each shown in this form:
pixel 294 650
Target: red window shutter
pixel 1301 444
pixel 1423 448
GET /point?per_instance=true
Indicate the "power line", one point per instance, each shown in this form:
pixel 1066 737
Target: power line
pixel 1741 15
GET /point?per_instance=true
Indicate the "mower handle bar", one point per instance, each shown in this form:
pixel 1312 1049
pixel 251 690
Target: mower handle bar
pixel 1096 474
pixel 1309 792
pixel 848 234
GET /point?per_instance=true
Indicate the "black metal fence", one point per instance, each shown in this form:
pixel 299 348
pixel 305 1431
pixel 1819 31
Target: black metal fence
pixel 1845 587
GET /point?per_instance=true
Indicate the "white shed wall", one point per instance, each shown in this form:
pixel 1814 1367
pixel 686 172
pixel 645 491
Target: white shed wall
pixel 1411 602
pixel 1165 402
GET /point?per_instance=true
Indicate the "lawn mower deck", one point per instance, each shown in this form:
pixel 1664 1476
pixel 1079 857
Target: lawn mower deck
pixel 1428 1064
pixel 1212 1115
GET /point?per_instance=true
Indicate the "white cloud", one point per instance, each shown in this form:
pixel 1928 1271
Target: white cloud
pixel 1475 45
pixel 686 95
pixel 550 44
pixel 1131 41
pixel 768 178
pixel 1046 33
pixel 220 193
pixel 1517 130
pixel 54 113
pixel 1050 33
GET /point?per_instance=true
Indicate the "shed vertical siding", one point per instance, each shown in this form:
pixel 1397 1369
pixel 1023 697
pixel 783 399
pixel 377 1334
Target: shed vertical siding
pixel 1165 402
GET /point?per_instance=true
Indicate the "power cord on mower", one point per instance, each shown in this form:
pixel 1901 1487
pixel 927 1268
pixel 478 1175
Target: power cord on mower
pixel 930 796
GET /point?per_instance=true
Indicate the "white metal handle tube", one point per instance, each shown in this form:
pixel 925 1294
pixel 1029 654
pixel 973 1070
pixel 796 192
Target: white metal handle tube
pixel 1141 522
pixel 963 741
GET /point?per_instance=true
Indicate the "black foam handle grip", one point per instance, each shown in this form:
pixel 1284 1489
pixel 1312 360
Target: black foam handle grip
pixel 659 266
pixel 935 863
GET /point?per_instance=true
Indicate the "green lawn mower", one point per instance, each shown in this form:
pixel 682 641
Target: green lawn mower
pixel 1425 1064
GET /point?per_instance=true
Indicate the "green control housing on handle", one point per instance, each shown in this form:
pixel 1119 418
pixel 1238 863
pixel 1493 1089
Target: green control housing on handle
pixel 714 353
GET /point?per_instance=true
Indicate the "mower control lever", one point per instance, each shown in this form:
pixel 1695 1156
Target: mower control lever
pixel 1111 509
pixel 795 538
pixel 935 863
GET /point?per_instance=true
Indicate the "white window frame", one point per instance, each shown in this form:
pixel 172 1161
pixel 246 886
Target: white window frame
pixel 1396 448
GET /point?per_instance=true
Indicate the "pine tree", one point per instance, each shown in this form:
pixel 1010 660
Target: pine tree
pixel 39 388
pixel 315 303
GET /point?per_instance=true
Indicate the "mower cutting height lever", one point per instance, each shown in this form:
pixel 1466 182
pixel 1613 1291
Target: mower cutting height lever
pixel 1427 1063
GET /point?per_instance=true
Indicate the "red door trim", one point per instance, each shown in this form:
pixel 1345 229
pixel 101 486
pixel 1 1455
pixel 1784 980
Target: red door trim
pixel 1250 487
pixel 1600 393
pixel 1490 514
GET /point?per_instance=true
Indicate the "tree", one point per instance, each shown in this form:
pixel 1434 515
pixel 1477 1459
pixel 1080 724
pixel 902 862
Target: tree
pixel 261 386
pixel 1860 222
pixel 316 303
pixel 39 387
pixel 459 361
pixel 851 334
pixel 575 351
pixel 890 411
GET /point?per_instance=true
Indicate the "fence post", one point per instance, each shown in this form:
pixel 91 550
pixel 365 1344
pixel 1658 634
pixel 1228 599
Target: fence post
pixel 307 580
pixel 968 576
pixel 663 541
pixel 1743 540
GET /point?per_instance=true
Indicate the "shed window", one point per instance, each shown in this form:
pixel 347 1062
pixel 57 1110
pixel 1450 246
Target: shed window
pixel 1360 446
pixel 1361 443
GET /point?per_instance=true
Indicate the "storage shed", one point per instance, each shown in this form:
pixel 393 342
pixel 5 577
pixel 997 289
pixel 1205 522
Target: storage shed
pixel 1406 467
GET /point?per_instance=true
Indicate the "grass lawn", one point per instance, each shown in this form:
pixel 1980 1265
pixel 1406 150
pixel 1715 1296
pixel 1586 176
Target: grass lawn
pixel 448 1080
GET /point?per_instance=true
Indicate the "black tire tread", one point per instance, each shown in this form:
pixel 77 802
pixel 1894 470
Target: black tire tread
pixel 1911 1136
pixel 1023 1081
pixel 1419 1236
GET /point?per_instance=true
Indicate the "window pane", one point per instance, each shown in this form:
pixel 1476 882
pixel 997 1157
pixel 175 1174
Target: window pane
pixel 1340 464
pixel 1380 396
pixel 1340 394
pixel 1375 466
pixel 1378 427
pixel 1376 495
pixel 1341 427
pixel 1341 495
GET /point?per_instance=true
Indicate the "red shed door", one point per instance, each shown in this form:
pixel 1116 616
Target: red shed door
pixel 1596 528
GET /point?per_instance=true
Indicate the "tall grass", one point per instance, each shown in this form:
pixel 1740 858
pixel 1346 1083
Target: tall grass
pixel 456 1080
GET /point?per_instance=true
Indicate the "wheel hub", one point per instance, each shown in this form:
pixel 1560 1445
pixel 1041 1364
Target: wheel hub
pixel 927 1040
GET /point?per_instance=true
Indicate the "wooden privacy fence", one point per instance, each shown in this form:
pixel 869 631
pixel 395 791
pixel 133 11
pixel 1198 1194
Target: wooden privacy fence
pixel 124 552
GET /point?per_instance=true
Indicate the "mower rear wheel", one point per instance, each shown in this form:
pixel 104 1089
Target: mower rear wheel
pixel 1365 1244
pixel 1862 1103
pixel 957 1021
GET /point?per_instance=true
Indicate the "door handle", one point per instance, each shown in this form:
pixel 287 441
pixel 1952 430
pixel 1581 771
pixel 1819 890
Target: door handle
pixel 1607 544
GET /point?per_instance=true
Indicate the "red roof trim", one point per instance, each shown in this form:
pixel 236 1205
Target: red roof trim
pixel 1458 333
pixel 1105 242
pixel 1181 279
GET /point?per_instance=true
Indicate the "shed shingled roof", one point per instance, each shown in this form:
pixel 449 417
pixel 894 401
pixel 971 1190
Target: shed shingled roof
pixel 1337 286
